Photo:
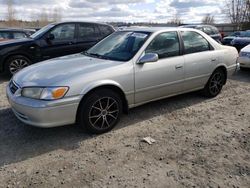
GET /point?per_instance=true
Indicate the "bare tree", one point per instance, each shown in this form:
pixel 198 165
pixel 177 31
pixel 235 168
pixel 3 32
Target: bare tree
pixel 176 20
pixel 10 14
pixel 44 18
pixel 208 19
pixel 56 15
pixel 237 11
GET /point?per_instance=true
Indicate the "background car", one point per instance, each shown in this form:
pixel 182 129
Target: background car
pixel 228 39
pixel 127 69
pixel 8 34
pixel 241 42
pixel 208 29
pixel 244 58
pixel 53 40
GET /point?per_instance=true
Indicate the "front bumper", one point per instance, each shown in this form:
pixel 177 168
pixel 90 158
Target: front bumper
pixel 44 113
pixel 244 62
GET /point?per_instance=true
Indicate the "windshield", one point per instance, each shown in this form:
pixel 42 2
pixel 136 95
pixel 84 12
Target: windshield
pixel 42 31
pixel 119 46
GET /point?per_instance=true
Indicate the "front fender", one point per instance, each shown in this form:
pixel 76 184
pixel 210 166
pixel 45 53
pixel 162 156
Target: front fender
pixel 100 83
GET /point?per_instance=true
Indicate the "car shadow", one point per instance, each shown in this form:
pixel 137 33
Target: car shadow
pixel 242 76
pixel 19 142
pixel 4 78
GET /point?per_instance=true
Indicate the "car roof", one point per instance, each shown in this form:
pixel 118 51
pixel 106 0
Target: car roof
pixel 57 23
pixel 158 29
pixel 197 25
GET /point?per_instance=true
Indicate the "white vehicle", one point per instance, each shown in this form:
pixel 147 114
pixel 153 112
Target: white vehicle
pixel 125 70
pixel 244 57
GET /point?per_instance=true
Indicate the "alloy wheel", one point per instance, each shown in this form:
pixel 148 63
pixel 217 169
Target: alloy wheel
pixel 216 83
pixel 104 113
pixel 17 64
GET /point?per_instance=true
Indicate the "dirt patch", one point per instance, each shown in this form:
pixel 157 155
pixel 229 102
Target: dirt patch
pixel 199 143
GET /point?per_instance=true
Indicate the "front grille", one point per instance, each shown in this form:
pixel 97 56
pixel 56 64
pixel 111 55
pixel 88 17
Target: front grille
pixel 13 87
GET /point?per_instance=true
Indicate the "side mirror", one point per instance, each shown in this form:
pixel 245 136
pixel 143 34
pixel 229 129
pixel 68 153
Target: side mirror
pixel 50 37
pixel 149 57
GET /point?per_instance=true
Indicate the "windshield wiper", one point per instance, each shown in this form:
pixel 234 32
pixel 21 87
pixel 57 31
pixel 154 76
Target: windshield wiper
pixel 96 55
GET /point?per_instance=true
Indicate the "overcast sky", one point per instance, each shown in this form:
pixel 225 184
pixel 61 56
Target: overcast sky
pixel 190 11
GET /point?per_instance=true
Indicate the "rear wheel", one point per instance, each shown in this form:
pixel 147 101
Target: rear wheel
pixel 215 83
pixel 100 111
pixel 15 64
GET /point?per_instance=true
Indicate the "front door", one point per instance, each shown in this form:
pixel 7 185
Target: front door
pixel 63 43
pixel 164 77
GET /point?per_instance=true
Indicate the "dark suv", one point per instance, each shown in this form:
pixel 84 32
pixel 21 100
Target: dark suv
pixel 208 29
pixel 53 40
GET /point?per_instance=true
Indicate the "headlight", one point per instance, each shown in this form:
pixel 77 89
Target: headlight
pixel 244 54
pixel 44 93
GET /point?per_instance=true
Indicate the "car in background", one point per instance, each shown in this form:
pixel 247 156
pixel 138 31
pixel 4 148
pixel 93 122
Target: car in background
pixel 244 58
pixel 241 42
pixel 53 40
pixel 228 39
pixel 127 69
pixel 10 34
pixel 208 29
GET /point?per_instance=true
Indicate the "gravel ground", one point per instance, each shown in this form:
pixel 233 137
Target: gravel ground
pixel 199 143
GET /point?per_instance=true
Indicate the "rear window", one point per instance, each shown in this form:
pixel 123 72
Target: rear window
pixel 105 30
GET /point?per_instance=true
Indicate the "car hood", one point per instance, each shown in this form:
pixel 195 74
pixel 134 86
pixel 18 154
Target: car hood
pixel 246 49
pixel 54 71
pixel 15 42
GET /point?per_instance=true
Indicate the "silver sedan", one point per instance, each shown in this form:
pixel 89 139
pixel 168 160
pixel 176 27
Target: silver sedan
pixel 125 70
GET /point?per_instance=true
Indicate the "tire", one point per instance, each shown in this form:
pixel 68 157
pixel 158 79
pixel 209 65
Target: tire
pixel 100 111
pixel 15 63
pixel 215 83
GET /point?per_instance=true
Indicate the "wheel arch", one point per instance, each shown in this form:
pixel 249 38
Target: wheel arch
pixel 15 54
pixel 112 86
pixel 224 69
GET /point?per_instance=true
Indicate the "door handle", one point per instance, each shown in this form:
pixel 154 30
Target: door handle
pixel 178 66
pixel 213 60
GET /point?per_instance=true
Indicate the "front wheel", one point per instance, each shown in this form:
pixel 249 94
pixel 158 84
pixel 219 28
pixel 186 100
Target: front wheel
pixel 15 64
pixel 215 83
pixel 100 111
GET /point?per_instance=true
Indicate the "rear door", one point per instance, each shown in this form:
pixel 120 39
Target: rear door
pixel 200 59
pixel 88 35
pixel 64 42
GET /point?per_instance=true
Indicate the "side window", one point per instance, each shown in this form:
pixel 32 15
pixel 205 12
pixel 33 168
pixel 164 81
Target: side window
pixel 165 45
pixel 4 35
pixel 87 31
pixel 105 30
pixel 17 35
pixel 194 42
pixel 64 32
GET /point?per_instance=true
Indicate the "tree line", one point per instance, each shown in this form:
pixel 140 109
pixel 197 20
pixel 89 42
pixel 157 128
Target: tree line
pixel 238 12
